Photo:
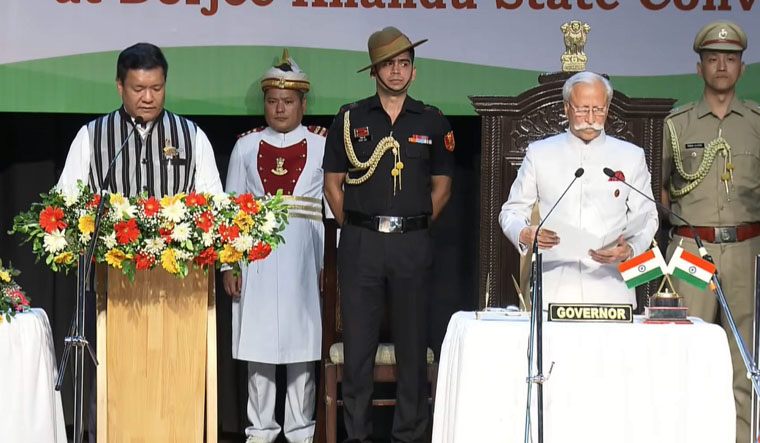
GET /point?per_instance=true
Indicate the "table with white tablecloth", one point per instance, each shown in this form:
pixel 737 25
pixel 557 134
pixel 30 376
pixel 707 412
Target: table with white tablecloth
pixel 611 382
pixel 30 408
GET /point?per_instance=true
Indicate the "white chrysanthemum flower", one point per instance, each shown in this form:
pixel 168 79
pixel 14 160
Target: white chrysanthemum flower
pixel 182 255
pixel 207 238
pixel 269 223
pixel 109 240
pixel 123 209
pixel 70 199
pixel 181 232
pixel 221 200
pixel 85 237
pixel 154 246
pixel 243 243
pixel 174 212
pixel 55 241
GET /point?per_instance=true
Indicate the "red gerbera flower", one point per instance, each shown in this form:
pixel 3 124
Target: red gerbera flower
pixel 247 203
pixel 229 233
pixel 194 199
pixel 259 251
pixel 151 206
pixel 94 202
pixel 166 234
pixel 205 221
pixel 126 232
pixel 207 257
pixel 144 261
pixel 51 218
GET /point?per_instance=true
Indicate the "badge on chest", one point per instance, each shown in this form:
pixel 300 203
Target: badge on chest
pixel 362 134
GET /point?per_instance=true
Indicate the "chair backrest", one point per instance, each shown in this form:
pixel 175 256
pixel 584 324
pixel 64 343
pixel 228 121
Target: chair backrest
pixel 509 124
pixel 332 324
pixel 332 327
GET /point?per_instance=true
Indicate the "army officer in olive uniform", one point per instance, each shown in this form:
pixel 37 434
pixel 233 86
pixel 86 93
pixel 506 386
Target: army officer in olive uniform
pixel 388 166
pixel 711 171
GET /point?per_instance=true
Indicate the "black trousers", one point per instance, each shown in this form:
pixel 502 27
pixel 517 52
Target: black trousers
pixel 378 271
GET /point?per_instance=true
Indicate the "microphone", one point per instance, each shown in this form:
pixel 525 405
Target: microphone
pixel 702 251
pixel 138 121
pixel 578 173
pixel 102 202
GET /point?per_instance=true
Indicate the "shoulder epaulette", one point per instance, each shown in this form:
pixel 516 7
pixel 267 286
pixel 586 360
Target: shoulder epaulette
pixel 681 109
pixel 252 131
pixel 348 107
pixel 434 109
pixel 319 130
pixel 754 106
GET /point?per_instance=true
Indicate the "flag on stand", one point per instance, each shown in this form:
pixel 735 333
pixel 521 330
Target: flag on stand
pixel 690 268
pixel 643 268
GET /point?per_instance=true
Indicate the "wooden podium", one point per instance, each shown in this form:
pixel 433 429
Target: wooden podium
pixel 156 345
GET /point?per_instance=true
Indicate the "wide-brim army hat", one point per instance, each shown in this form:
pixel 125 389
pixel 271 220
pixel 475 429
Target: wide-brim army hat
pixel 720 36
pixel 285 75
pixel 386 44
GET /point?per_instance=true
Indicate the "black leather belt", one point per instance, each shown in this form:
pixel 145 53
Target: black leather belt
pixel 388 224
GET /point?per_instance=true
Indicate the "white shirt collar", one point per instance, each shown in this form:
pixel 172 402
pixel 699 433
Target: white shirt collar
pixel 283 139
pixel 143 130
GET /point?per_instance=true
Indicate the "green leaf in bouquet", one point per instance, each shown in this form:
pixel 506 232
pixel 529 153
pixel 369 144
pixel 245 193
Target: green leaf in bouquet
pixel 128 269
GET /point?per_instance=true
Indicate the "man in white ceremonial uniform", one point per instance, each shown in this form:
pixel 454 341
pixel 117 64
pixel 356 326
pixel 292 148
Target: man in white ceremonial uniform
pixel 596 203
pixel 165 155
pixel 275 310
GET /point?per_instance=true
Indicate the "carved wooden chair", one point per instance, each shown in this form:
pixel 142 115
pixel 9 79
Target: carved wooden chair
pixel 508 125
pixel 332 349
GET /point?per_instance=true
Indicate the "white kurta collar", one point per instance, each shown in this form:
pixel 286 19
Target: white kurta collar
pixel 143 130
pixel 281 139
pixel 574 141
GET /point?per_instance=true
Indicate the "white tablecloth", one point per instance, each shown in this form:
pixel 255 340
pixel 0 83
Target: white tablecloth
pixel 30 408
pixel 611 383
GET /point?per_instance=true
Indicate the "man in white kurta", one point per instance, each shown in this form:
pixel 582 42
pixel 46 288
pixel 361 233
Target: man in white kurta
pixel 145 164
pixel 275 310
pixel 145 128
pixel 595 203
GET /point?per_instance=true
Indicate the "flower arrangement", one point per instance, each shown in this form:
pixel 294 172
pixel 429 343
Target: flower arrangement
pixel 12 300
pixel 140 233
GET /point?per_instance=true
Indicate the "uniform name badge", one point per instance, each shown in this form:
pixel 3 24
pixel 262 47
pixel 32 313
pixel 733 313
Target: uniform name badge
pixel 362 134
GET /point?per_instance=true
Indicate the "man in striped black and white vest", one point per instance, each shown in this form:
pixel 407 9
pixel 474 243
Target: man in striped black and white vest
pixel 167 154
pixel 164 155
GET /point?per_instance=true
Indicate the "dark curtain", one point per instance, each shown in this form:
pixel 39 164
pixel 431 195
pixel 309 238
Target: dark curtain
pixel 33 151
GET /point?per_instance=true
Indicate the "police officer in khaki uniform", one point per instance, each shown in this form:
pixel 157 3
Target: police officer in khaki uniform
pixel 388 166
pixel 711 173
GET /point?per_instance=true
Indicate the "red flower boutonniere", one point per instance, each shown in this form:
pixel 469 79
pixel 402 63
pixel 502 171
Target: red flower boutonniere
pixel 619 177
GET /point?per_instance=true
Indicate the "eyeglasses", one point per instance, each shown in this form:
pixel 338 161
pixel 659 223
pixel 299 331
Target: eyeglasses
pixel 598 111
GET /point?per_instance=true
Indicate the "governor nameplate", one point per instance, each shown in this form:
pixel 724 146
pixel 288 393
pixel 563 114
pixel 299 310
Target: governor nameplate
pixel 591 312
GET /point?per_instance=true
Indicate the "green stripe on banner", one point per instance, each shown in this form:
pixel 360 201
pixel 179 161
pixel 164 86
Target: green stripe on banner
pixel 689 278
pixel 644 278
pixel 224 80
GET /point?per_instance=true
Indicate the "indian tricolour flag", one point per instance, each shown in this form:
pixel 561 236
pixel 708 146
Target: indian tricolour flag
pixel 690 268
pixel 643 268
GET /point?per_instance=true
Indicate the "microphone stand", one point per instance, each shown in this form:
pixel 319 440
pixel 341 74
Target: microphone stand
pixel 536 328
pixel 752 369
pixel 76 335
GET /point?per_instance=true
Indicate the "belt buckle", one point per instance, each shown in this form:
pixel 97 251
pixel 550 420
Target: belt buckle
pixel 389 224
pixel 725 234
